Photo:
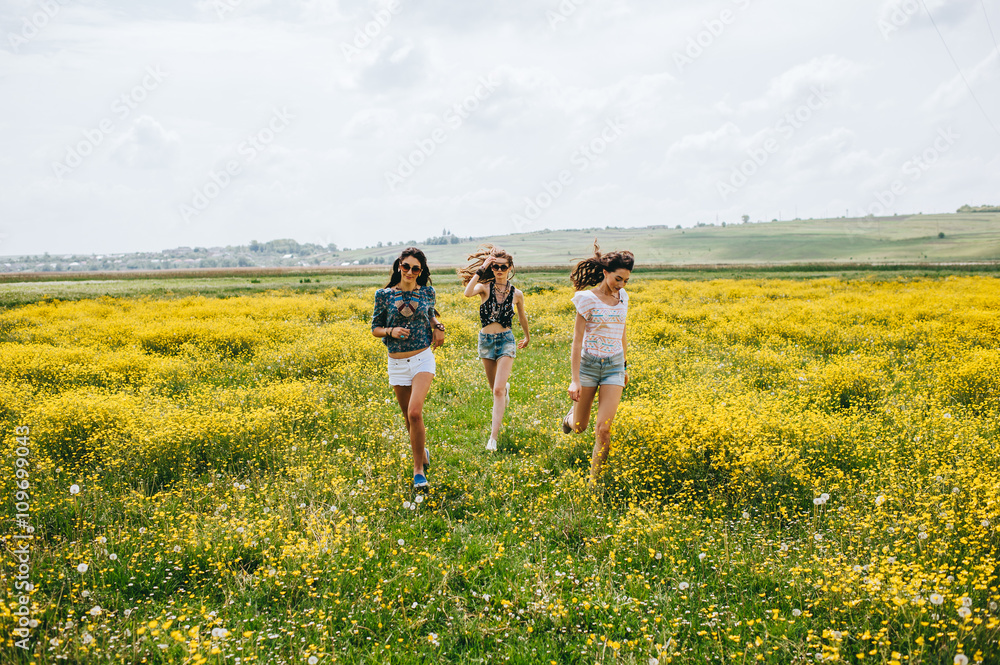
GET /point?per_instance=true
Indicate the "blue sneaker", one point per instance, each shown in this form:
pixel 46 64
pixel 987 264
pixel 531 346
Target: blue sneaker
pixel 419 482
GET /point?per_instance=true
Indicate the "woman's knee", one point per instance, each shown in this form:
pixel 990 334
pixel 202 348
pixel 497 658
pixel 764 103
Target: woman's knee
pixel 603 429
pixel 499 391
pixel 414 415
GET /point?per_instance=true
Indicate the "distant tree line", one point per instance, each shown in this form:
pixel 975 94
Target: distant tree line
pixel 984 208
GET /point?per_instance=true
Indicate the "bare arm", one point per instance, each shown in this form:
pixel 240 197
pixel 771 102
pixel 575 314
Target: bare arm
pixel 475 288
pixel 625 350
pixel 522 318
pixel 437 336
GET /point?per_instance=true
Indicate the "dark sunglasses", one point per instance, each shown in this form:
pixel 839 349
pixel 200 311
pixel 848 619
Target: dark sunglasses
pixel 500 266
pixel 406 267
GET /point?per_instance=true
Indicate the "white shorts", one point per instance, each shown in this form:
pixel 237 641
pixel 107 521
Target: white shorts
pixel 402 370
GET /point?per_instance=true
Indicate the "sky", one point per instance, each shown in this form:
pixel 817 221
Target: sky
pixel 140 126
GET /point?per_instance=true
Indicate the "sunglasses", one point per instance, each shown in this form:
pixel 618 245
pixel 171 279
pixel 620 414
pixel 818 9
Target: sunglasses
pixel 500 267
pixel 406 267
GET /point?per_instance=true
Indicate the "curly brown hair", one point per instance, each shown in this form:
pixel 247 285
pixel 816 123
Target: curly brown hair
pixel 477 259
pixel 590 272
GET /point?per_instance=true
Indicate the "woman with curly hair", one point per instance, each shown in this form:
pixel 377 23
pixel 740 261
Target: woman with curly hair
pixel 406 320
pixel 488 276
pixel 600 345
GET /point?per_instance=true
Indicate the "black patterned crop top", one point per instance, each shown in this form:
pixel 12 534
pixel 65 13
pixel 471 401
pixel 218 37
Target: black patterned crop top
pixel 493 312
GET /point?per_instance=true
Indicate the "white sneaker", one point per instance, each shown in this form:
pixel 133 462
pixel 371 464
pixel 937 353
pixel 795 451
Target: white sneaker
pixel 506 397
pixel 491 445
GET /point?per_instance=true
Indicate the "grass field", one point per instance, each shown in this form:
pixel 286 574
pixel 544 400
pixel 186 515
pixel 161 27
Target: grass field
pixel 803 470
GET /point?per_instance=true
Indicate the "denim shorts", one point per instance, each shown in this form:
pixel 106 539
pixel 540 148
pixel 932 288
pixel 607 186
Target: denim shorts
pixel 402 370
pixel 495 345
pixel 596 371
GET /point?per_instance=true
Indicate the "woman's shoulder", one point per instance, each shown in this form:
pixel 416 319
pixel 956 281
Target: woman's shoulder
pixel 427 290
pixel 623 295
pixel 583 300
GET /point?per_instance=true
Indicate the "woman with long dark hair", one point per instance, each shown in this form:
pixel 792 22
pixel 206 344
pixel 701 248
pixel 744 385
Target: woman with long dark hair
pixel 406 320
pixel 598 358
pixel 488 276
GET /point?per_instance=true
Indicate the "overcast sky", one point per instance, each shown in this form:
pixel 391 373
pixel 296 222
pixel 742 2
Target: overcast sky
pixel 148 125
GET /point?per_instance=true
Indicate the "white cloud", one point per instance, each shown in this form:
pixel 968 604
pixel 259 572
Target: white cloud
pixel 828 73
pixel 146 145
pixel 611 60
pixel 953 92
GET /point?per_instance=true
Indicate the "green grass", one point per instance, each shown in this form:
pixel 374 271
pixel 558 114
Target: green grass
pixel 18 289
pixel 509 558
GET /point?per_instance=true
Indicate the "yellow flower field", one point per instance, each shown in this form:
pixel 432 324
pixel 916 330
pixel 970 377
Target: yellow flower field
pixel 801 471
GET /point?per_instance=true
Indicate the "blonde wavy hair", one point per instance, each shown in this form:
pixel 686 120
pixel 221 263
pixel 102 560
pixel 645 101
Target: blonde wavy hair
pixel 478 258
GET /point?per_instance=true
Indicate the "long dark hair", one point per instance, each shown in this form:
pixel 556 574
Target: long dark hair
pixel 423 279
pixel 590 272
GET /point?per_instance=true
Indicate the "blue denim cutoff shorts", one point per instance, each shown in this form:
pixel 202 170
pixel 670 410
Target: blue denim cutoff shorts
pixel 495 345
pixel 596 371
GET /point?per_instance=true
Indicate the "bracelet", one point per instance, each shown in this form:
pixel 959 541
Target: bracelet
pixel 439 326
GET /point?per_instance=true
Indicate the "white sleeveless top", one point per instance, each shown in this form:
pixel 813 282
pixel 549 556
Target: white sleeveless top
pixel 605 323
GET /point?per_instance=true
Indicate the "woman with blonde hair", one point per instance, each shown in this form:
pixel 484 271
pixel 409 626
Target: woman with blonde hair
pixel 405 319
pixel 598 359
pixel 488 276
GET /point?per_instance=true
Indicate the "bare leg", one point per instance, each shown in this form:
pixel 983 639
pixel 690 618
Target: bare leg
pixel 581 410
pixel 491 371
pixel 414 413
pixel 607 407
pixel 504 365
pixel 403 399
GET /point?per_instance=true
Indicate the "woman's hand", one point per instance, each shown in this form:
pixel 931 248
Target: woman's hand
pixel 437 338
pixel 523 344
pixel 574 391
pixel 626 377
pixel 490 260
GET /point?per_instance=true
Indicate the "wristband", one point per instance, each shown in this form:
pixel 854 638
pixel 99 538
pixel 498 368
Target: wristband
pixel 439 326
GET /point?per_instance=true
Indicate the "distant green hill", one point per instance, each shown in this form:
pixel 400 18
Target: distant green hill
pixel 946 238
pixel 951 237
